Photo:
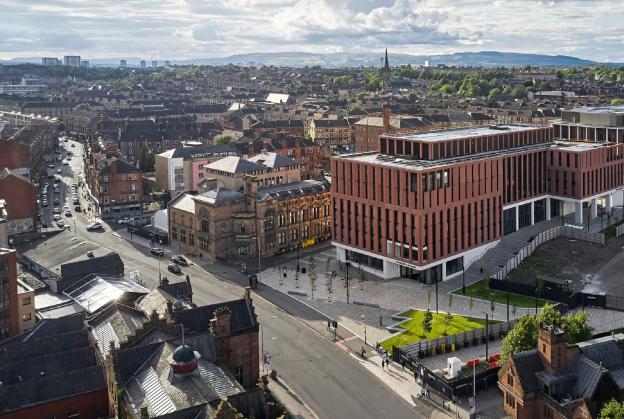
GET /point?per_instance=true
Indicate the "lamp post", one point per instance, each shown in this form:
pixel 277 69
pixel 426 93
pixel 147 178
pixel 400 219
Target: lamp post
pixel 463 279
pixel 436 288
pixel 364 321
pixel 347 264
pixel 159 275
pixel 487 337
pixel 507 299
pixel 297 257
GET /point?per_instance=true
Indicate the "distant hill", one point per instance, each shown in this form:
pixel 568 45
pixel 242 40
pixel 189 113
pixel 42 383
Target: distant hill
pixel 336 60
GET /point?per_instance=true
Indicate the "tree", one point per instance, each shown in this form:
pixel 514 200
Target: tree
pixel 428 298
pixel 355 109
pixel 617 102
pixel 518 92
pixel 450 301
pixel 612 410
pixel 313 277
pixel 222 139
pixel 146 159
pixel 427 323
pixel 576 328
pixel 448 319
pixel 521 338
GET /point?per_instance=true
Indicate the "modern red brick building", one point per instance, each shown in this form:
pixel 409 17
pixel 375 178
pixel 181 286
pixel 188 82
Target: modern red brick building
pixel 9 322
pixel 426 205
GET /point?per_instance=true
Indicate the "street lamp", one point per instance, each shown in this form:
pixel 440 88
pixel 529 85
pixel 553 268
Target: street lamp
pixel 159 275
pixel 364 321
pixel 487 337
pixel 463 278
pixel 347 264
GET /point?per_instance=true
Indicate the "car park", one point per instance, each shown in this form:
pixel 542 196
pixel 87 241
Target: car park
pixel 180 260
pixel 172 267
pixel 158 251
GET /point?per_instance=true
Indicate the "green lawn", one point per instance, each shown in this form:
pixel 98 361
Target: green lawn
pixel 413 328
pixel 480 290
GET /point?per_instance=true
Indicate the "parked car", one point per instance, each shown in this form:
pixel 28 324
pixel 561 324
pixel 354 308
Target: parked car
pixel 94 226
pixel 56 217
pixel 56 210
pixel 172 267
pixel 180 260
pixel 68 213
pixel 77 208
pixel 60 223
pixel 124 220
pixel 56 201
pixel 44 203
pixel 158 251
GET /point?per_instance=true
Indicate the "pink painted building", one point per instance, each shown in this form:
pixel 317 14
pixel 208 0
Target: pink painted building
pixel 181 169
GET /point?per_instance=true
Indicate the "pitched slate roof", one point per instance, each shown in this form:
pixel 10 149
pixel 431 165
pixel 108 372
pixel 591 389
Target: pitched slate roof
pixel 242 316
pixel 294 189
pixel 234 164
pixel 58 348
pixel 607 353
pixel 273 160
pixel 527 364
pixel 588 375
pixel 220 195
pixel 115 324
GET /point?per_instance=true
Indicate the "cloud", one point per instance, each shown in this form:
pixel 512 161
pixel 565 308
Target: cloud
pixel 202 28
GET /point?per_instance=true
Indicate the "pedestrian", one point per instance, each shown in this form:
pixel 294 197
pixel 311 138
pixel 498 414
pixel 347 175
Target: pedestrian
pixel 328 324
pixel 416 377
pixel 363 352
pixel 380 321
pixel 402 364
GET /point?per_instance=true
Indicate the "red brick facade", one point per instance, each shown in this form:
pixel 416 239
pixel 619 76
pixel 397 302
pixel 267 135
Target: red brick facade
pixel 8 288
pixel 21 202
pixel 92 405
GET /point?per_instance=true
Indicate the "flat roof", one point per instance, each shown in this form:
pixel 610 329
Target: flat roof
pixel 599 109
pixel 445 135
pixel 578 146
pixel 394 161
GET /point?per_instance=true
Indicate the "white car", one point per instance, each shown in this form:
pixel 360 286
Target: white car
pixel 60 223
pixel 56 217
pixel 94 226
pixel 124 220
pixel 56 210
pixel 65 208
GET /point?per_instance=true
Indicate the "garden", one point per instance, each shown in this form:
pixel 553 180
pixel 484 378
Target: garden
pixel 421 324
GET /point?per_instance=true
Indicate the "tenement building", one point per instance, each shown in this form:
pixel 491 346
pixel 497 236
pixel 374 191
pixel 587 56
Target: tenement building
pixel 426 205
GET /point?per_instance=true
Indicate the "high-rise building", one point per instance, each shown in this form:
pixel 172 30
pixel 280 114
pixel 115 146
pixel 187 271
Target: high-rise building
pixel 122 63
pixel 9 324
pixel 84 64
pixel 154 64
pixel 50 61
pixel 427 205
pixel 142 63
pixel 71 60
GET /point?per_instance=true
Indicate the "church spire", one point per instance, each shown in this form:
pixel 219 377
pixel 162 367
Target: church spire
pixel 386 63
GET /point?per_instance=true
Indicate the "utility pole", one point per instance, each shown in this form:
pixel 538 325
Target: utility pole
pixel 347 264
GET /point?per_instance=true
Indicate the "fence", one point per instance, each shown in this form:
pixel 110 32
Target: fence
pixel 619 230
pixel 560 231
pixel 431 347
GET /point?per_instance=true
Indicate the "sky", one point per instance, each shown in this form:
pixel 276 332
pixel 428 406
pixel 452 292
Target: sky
pixel 183 29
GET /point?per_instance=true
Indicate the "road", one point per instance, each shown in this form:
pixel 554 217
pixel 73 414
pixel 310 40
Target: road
pixel 323 375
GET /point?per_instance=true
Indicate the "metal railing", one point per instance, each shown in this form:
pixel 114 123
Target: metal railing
pixel 560 231
pixel 619 230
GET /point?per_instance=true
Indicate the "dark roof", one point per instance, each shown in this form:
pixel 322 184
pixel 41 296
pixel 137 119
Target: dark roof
pixel 129 360
pixel 588 375
pixel 285 123
pixel 125 167
pixel 527 364
pixel 327 123
pixel 91 265
pixel 607 353
pixel 55 360
pixel 294 190
pixel 242 316
pixel 183 354
pixel 220 195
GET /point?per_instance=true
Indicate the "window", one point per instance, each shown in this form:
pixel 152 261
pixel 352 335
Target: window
pixel 183 236
pixel 242 228
pixel 282 238
pixel 26 317
pixel 204 244
pixel 174 232
pixel 238 373
pixel 510 400
pixel 304 232
pixel 315 213
pixel 293 217
pixel 26 301
pixel 293 234
pixel 204 226
pixel 133 187
pixel 326 210
pixel 192 239
pixel 281 220
pixel 510 380
pixel 242 250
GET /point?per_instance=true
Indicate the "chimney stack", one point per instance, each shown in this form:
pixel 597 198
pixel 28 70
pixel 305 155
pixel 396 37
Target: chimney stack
pixel 386 118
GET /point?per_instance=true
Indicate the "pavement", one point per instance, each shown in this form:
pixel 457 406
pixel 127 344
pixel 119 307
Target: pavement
pixel 321 373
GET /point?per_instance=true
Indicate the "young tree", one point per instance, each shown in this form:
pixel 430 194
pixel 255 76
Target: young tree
pixel 576 328
pixel 450 301
pixel 313 277
pixel 146 159
pixel 521 338
pixel 428 298
pixel 612 410
pixel 448 319
pixel 427 323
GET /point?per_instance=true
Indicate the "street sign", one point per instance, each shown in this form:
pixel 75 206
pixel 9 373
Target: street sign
pixel 450 339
